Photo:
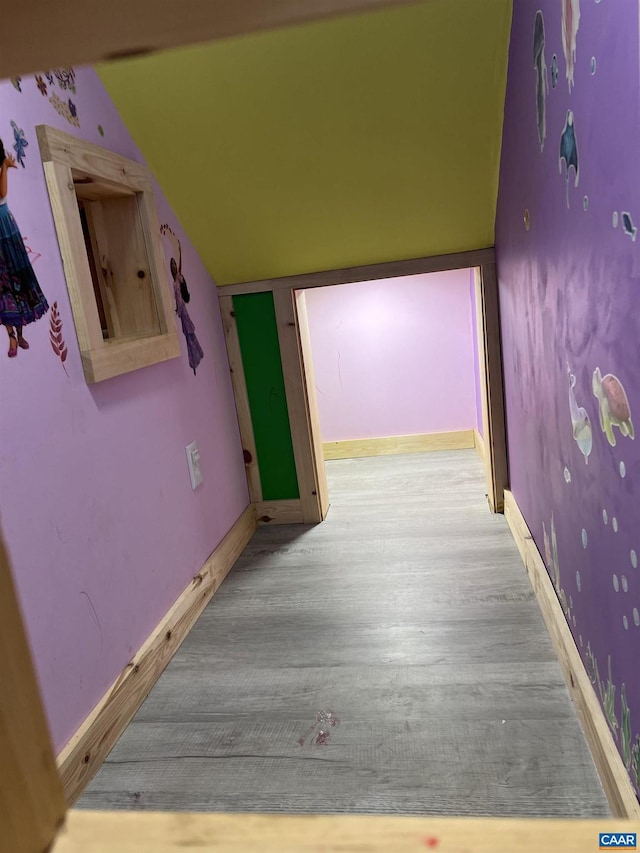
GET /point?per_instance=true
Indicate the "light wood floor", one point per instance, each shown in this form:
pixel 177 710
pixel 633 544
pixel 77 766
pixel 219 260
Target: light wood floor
pixel 407 617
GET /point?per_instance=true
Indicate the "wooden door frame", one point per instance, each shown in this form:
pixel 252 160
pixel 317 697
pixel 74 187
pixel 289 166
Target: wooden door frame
pixel 494 432
pixel 297 368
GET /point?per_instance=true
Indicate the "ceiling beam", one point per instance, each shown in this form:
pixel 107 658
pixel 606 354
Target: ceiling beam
pixel 38 35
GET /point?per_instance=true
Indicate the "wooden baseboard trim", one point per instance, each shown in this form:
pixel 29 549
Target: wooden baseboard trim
pixel 479 443
pixel 279 512
pixel 81 758
pixel 613 775
pixel 460 440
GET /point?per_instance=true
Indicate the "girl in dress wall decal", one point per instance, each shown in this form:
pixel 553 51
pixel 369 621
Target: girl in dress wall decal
pixel 182 296
pixel 21 300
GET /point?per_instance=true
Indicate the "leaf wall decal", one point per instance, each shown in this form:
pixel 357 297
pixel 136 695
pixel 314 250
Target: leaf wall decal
pixel 58 344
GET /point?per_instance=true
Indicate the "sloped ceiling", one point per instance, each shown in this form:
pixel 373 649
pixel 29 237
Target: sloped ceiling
pixel 359 140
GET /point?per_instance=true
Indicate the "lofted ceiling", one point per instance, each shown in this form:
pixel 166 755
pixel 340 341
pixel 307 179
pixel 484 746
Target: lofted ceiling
pixel 352 141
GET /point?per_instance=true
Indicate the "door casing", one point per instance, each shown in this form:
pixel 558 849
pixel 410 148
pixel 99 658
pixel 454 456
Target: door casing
pixel 297 367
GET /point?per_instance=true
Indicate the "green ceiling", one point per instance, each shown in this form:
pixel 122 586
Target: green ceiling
pixel 364 139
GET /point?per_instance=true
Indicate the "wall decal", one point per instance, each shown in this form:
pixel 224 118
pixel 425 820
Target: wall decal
pixel 16 83
pixel 569 151
pixel 542 83
pixel 55 335
pixel 20 144
pixel 553 563
pixel 21 300
pixel 570 24
pixel 567 475
pixel 100 130
pixel 580 422
pixel 630 750
pixel 593 65
pixel 614 219
pixel 42 86
pixel 627 225
pixel 547 545
pixel 614 406
pixel 527 219
pixel 585 203
pixel 625 728
pixel 66 78
pixel 182 296
pixel 64 109
pixel 554 71
pixel 608 696
pixel 607 692
pixel 591 664
pixel 33 255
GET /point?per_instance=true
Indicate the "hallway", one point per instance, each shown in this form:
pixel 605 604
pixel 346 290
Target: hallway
pixel 390 660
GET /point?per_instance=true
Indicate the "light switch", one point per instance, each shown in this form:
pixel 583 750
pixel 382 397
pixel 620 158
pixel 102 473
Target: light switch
pixel 193 461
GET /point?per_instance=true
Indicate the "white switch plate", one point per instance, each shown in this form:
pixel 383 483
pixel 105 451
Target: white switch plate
pixel 193 461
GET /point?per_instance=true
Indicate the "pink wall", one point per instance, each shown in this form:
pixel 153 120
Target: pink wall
pixel 103 528
pixel 476 361
pixel 394 357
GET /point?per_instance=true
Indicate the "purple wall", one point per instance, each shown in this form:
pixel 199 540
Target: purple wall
pixel 569 291
pixel 394 357
pixel 103 528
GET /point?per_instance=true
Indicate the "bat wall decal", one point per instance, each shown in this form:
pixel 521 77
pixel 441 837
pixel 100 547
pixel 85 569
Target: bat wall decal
pixel 569 151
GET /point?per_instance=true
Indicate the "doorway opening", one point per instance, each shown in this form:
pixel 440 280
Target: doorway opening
pixel 271 318
pixel 396 366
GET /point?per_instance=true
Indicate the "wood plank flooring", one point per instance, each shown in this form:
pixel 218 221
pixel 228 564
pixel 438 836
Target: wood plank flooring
pixel 390 660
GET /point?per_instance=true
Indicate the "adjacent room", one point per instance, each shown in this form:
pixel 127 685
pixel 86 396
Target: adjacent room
pixel 396 364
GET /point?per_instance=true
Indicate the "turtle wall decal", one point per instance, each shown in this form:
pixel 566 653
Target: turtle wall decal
pixel 614 406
